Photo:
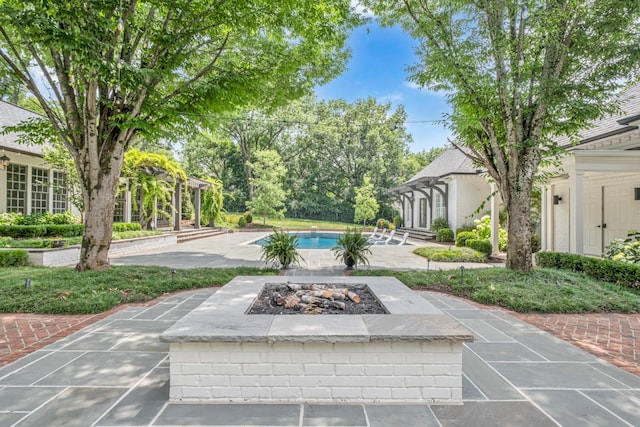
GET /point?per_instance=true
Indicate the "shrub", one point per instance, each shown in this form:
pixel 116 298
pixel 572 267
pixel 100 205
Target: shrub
pixel 248 217
pixel 627 250
pixel 383 223
pixel 481 245
pixel 14 258
pixel 439 254
pixel 438 223
pixel 242 221
pixel 120 227
pixel 65 230
pixel 601 269
pixel 444 235
pixel 467 226
pixel 463 236
pixel 281 247
pixel 397 221
pixel 23 231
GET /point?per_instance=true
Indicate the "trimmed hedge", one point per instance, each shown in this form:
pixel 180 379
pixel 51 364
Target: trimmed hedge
pixel 463 236
pixel 119 227
pixel 14 258
pixel 37 231
pixel 480 245
pixel 601 269
pixel 444 235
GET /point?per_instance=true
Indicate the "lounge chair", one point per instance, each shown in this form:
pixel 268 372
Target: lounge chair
pixel 403 241
pixel 387 240
pixel 373 235
pixel 379 238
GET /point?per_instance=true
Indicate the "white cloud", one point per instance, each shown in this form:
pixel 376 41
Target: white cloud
pixel 391 97
pixel 360 9
pixel 427 91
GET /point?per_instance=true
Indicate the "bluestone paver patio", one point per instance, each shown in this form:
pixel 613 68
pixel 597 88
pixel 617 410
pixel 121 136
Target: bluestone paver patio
pixel 115 372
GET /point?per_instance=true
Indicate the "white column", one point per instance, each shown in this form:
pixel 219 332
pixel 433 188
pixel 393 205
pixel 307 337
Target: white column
pixel 128 205
pixel 196 207
pixel 576 204
pixel 495 219
pixel 543 218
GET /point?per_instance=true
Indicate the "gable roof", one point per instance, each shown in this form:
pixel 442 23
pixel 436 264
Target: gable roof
pixel 451 162
pixel 612 124
pixel 11 115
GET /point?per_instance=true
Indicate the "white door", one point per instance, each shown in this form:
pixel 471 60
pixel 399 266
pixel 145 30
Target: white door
pixel 616 221
pixel 592 220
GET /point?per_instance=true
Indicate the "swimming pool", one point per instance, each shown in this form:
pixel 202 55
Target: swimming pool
pixel 308 240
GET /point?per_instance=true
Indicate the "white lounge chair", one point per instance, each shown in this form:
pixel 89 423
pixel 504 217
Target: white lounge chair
pixel 379 238
pixel 403 241
pixel 373 234
pixel 388 239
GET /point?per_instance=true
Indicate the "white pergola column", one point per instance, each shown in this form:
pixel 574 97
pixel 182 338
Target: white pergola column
pixel 495 219
pixel 576 217
pixel 196 206
pixel 177 204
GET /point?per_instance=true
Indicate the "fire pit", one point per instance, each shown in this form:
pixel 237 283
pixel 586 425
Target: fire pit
pixel 221 353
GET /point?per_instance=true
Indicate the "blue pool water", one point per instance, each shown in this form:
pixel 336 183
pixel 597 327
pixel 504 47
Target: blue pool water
pixel 312 240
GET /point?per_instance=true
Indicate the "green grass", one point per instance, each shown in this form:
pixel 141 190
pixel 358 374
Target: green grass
pixel 62 290
pixel 450 254
pixel 293 223
pixel 542 290
pixel 45 243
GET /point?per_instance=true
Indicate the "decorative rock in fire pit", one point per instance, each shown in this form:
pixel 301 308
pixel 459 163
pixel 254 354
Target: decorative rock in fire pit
pixel 221 353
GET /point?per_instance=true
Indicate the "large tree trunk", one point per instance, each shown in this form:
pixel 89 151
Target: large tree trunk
pixel 518 203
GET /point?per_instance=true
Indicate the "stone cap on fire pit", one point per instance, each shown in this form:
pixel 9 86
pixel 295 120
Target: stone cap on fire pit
pixel 222 318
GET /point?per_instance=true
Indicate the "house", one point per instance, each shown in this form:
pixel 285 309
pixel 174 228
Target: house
pixel 29 185
pixel 450 187
pixel 594 196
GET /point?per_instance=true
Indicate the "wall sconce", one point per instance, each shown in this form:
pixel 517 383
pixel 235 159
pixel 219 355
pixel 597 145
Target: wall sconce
pixel 557 200
pixel 4 161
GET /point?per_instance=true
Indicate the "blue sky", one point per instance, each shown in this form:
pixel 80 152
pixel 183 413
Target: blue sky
pixel 377 68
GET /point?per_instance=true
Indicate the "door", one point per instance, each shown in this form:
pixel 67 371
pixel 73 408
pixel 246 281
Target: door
pixel 592 220
pixel 616 219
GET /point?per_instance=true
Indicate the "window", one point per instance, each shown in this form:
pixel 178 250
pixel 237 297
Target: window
pixel 439 210
pixel 422 215
pixel 39 190
pixel 59 202
pixel 118 211
pixel 16 188
pixel 637 193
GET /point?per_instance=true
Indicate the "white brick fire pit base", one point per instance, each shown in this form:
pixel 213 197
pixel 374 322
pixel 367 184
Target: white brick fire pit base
pixel 419 372
pixel 411 355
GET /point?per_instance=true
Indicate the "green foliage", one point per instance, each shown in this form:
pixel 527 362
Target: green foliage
pixel 366 206
pixel 483 230
pixel 542 290
pixel 212 202
pixel 126 226
pixel 627 250
pixel 467 226
pixel 12 218
pixel 281 247
pixel 444 235
pixel 23 231
pixel 100 290
pixel 247 215
pixel 397 221
pixel 601 269
pixel 481 245
pixel 352 248
pixel 242 221
pixel 536 244
pixel 383 223
pixel 14 258
pixel 463 236
pixel 269 173
pixel 438 223
pixel 451 254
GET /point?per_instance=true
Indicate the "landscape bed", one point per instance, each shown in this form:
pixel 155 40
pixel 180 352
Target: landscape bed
pixel 219 353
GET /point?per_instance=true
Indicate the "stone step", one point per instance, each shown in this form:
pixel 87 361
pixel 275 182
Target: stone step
pixel 418 233
pixel 188 235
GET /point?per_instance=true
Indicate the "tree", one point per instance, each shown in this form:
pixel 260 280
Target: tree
pixel 269 197
pixel 366 206
pixel 107 71
pixel 412 163
pixel 520 74
pixel 212 202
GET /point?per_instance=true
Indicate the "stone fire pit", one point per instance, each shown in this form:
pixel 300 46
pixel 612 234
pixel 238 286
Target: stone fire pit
pixel 219 353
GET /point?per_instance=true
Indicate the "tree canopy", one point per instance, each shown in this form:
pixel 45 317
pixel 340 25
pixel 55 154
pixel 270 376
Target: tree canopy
pixel 519 75
pixel 106 71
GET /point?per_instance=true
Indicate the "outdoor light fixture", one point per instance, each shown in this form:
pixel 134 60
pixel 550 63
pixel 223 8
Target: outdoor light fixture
pixel 4 161
pixel 557 200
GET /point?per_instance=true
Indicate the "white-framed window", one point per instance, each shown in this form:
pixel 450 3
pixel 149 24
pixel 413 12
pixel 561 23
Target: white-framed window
pixel 59 202
pixel 17 188
pixel 422 213
pixel 439 210
pixel 39 190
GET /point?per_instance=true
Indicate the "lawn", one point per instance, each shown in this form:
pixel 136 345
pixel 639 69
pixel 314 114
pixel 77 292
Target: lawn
pixel 294 223
pixel 63 290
